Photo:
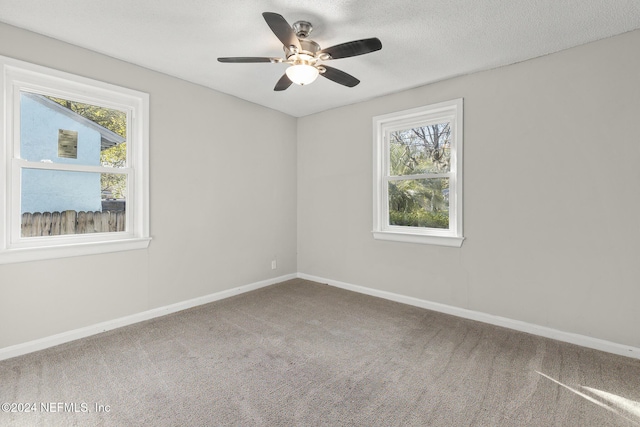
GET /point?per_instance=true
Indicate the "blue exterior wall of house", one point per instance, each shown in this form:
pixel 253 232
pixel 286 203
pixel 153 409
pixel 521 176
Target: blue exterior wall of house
pixel 50 191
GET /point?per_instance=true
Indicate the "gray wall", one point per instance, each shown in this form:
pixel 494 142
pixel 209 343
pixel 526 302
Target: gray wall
pixel 552 205
pixel 551 199
pixel 222 204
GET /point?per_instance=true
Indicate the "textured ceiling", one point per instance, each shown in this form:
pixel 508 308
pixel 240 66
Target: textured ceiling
pixel 423 40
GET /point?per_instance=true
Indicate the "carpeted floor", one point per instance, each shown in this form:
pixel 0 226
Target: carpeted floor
pixel 305 354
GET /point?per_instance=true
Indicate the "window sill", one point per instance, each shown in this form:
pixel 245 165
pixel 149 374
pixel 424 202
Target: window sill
pixel 8 256
pixel 450 241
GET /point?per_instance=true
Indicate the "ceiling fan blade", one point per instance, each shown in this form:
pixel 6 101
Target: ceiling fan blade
pixel 281 29
pixel 339 76
pixel 248 59
pixel 283 83
pixel 354 48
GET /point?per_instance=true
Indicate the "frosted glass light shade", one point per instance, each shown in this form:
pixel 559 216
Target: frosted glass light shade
pixel 302 74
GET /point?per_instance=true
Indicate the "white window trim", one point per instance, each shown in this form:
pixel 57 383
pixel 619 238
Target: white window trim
pixel 382 125
pixel 22 76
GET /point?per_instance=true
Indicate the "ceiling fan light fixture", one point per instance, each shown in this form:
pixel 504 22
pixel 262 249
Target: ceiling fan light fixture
pixel 302 74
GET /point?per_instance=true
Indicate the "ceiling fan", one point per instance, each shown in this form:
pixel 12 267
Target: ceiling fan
pixel 304 55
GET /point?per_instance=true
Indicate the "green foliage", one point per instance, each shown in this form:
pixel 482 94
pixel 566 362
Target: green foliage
pixel 419 203
pixel 114 120
pixel 116 157
pixel 419 219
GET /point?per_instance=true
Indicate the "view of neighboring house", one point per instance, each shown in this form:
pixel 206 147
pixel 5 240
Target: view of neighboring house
pixel 51 133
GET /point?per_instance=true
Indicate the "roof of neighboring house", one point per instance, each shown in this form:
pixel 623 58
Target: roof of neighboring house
pixel 108 138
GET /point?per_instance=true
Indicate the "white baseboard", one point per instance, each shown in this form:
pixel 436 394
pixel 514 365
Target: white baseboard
pixel 581 340
pixel 53 340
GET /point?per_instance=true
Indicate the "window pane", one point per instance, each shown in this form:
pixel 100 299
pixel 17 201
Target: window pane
pixel 425 149
pixel 419 203
pixel 55 130
pixel 63 202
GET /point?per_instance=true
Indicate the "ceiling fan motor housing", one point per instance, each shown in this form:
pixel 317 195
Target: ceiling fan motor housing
pixel 308 47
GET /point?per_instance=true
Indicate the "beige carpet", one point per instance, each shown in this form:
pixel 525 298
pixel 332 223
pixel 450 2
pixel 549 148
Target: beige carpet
pixel 306 354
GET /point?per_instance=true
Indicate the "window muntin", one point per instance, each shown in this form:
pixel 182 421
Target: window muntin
pixel 418 175
pixel 71 144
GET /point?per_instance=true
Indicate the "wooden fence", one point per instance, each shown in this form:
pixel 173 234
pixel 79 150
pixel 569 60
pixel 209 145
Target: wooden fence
pixel 71 222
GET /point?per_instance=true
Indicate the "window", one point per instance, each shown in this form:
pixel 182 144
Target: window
pixel 74 160
pixel 418 175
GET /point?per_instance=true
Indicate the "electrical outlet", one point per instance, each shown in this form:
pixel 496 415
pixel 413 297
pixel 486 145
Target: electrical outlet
pixel 274 264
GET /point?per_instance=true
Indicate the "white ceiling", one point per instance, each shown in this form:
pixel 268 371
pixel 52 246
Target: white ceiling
pixel 423 41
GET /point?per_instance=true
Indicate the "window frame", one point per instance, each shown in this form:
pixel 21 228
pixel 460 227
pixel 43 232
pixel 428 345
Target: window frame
pixel 383 125
pixel 19 76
